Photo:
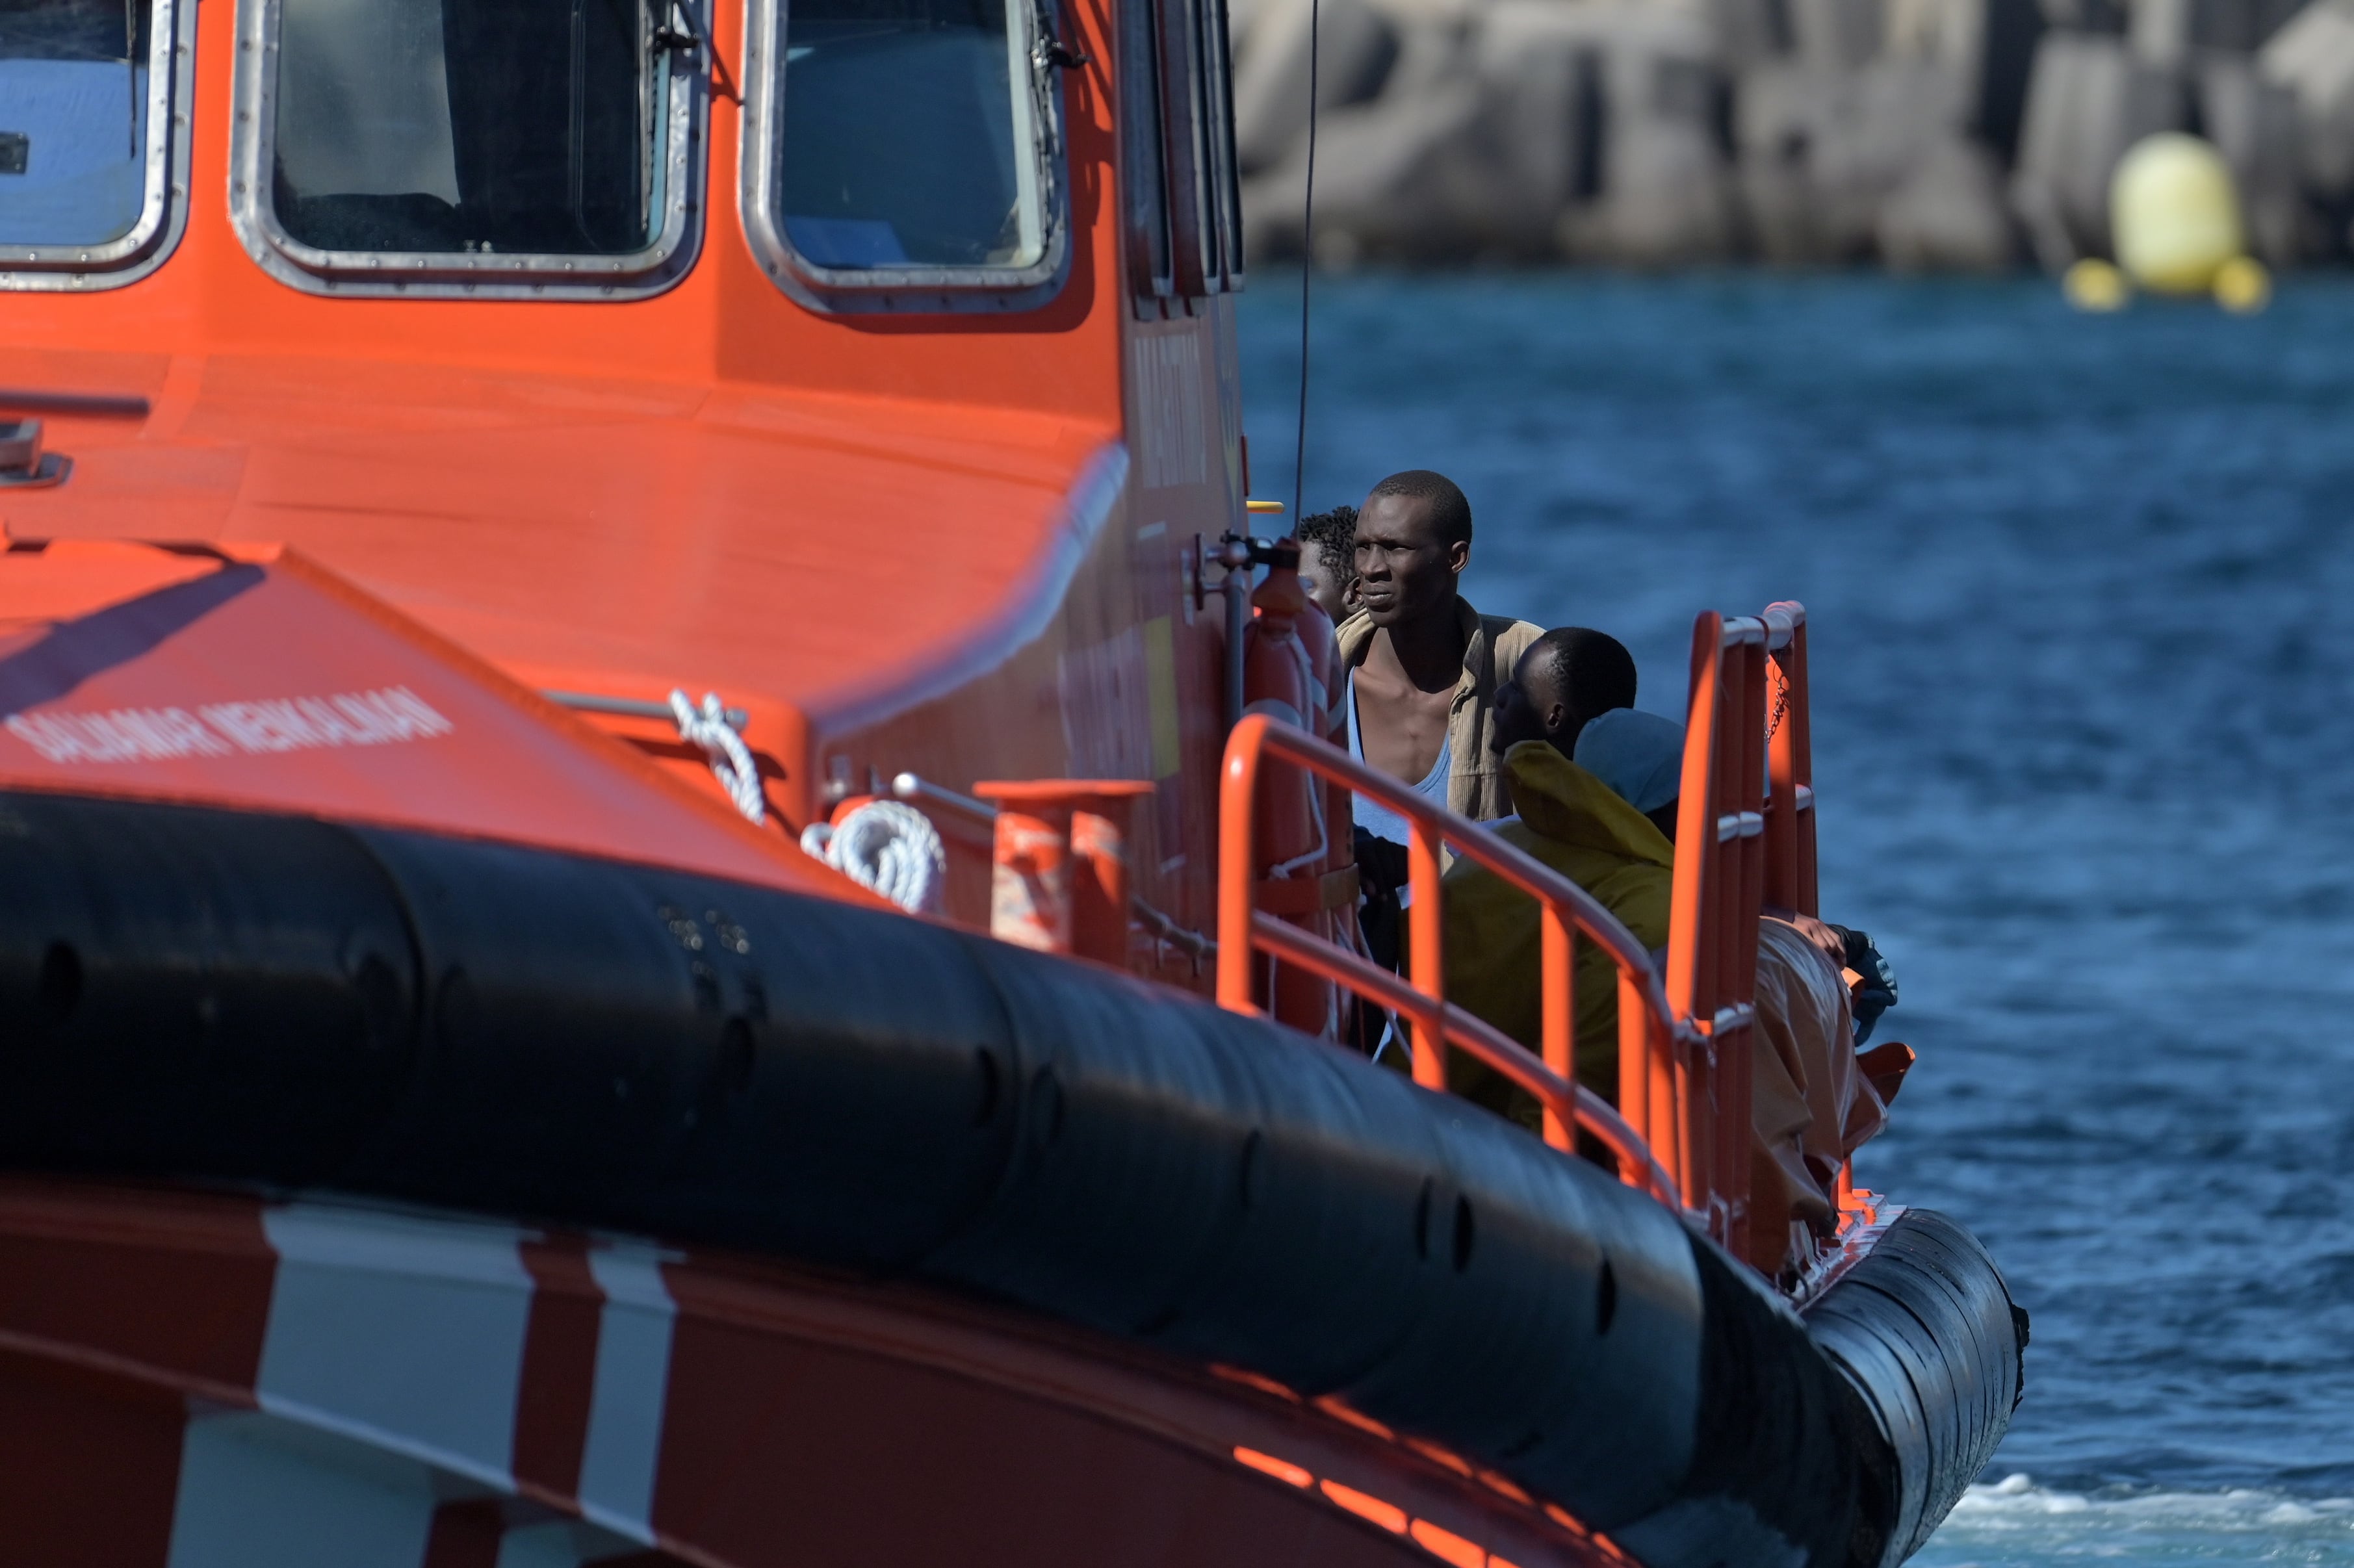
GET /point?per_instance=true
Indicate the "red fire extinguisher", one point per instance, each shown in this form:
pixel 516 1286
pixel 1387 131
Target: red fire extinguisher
pixel 1297 830
pixel 1316 633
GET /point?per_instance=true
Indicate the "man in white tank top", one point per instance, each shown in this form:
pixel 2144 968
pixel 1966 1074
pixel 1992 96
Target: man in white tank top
pixel 1423 668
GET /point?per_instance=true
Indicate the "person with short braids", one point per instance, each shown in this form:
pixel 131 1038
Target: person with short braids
pixel 1328 572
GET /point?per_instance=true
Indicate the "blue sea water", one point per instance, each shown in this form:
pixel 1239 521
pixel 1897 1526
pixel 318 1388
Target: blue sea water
pixel 2081 593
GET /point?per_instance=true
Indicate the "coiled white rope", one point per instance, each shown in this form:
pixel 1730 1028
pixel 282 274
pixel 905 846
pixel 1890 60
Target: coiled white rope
pixel 731 760
pixel 890 847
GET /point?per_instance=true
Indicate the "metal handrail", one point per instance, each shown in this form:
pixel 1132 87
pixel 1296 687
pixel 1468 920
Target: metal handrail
pixel 1482 1040
pixel 1650 1035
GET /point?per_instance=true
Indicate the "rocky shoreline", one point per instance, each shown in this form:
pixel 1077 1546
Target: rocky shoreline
pixel 1927 135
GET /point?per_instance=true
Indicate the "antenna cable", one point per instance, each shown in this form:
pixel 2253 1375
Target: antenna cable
pixel 1306 271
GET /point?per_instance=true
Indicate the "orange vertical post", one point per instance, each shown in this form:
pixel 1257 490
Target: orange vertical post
pixel 1745 863
pixel 1030 876
pixel 1059 883
pixel 1099 883
pixel 1643 1055
pixel 1693 948
pixel 1720 879
pixel 1237 863
pixel 1426 933
pixel 1799 721
pixel 1790 878
pixel 1101 809
pixel 1559 1036
pixel 1782 795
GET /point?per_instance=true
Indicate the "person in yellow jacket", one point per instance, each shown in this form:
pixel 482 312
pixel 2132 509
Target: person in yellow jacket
pixel 1601 826
pixel 1571 820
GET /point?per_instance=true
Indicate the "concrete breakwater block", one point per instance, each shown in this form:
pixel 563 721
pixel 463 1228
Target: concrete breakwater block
pixel 1836 35
pixel 2313 56
pixel 1528 129
pixel 1930 134
pixel 2252 121
pixel 1822 152
pixel 1949 214
pixel 1355 46
pixel 1413 180
pixel 1665 196
pixel 2088 99
pixel 1988 45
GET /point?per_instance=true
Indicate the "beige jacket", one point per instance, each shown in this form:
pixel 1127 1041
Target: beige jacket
pixel 1810 1107
pixel 1492 644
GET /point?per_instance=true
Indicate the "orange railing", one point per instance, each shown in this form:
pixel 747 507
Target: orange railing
pixel 1682 1127
pixel 1645 1028
pixel 1712 935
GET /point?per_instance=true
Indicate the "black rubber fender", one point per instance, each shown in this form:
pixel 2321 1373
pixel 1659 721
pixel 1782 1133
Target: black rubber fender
pixel 694 1058
pixel 1923 1329
pixel 299 1006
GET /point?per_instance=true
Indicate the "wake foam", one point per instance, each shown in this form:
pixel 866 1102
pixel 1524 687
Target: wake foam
pixel 2014 1523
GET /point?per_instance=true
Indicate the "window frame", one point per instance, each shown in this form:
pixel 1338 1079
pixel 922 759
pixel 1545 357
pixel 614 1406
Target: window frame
pixel 493 275
pixel 163 202
pixel 903 290
pixel 1145 197
pixel 1183 207
pixel 1225 169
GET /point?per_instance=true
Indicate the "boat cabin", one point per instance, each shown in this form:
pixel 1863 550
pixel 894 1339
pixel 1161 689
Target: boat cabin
pixel 871 365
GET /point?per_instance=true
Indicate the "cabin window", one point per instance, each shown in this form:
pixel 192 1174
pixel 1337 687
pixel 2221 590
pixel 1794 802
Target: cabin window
pixel 86 105
pixel 462 143
pixel 907 150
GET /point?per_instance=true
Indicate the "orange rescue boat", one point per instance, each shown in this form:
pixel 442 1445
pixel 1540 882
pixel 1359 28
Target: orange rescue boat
pixel 667 904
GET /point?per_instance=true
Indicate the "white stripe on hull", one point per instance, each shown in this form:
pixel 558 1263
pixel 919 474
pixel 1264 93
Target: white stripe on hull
pixel 625 1411
pixel 257 1492
pixel 400 1331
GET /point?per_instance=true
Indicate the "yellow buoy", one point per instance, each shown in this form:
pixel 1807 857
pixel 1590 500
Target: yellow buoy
pixel 2093 284
pixel 2242 286
pixel 2173 214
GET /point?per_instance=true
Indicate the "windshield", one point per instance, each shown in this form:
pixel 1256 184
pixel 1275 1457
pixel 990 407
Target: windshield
pixel 910 134
pixel 532 126
pixel 73 120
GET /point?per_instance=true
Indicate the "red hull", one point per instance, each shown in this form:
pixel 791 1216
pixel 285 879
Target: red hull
pixel 260 1384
